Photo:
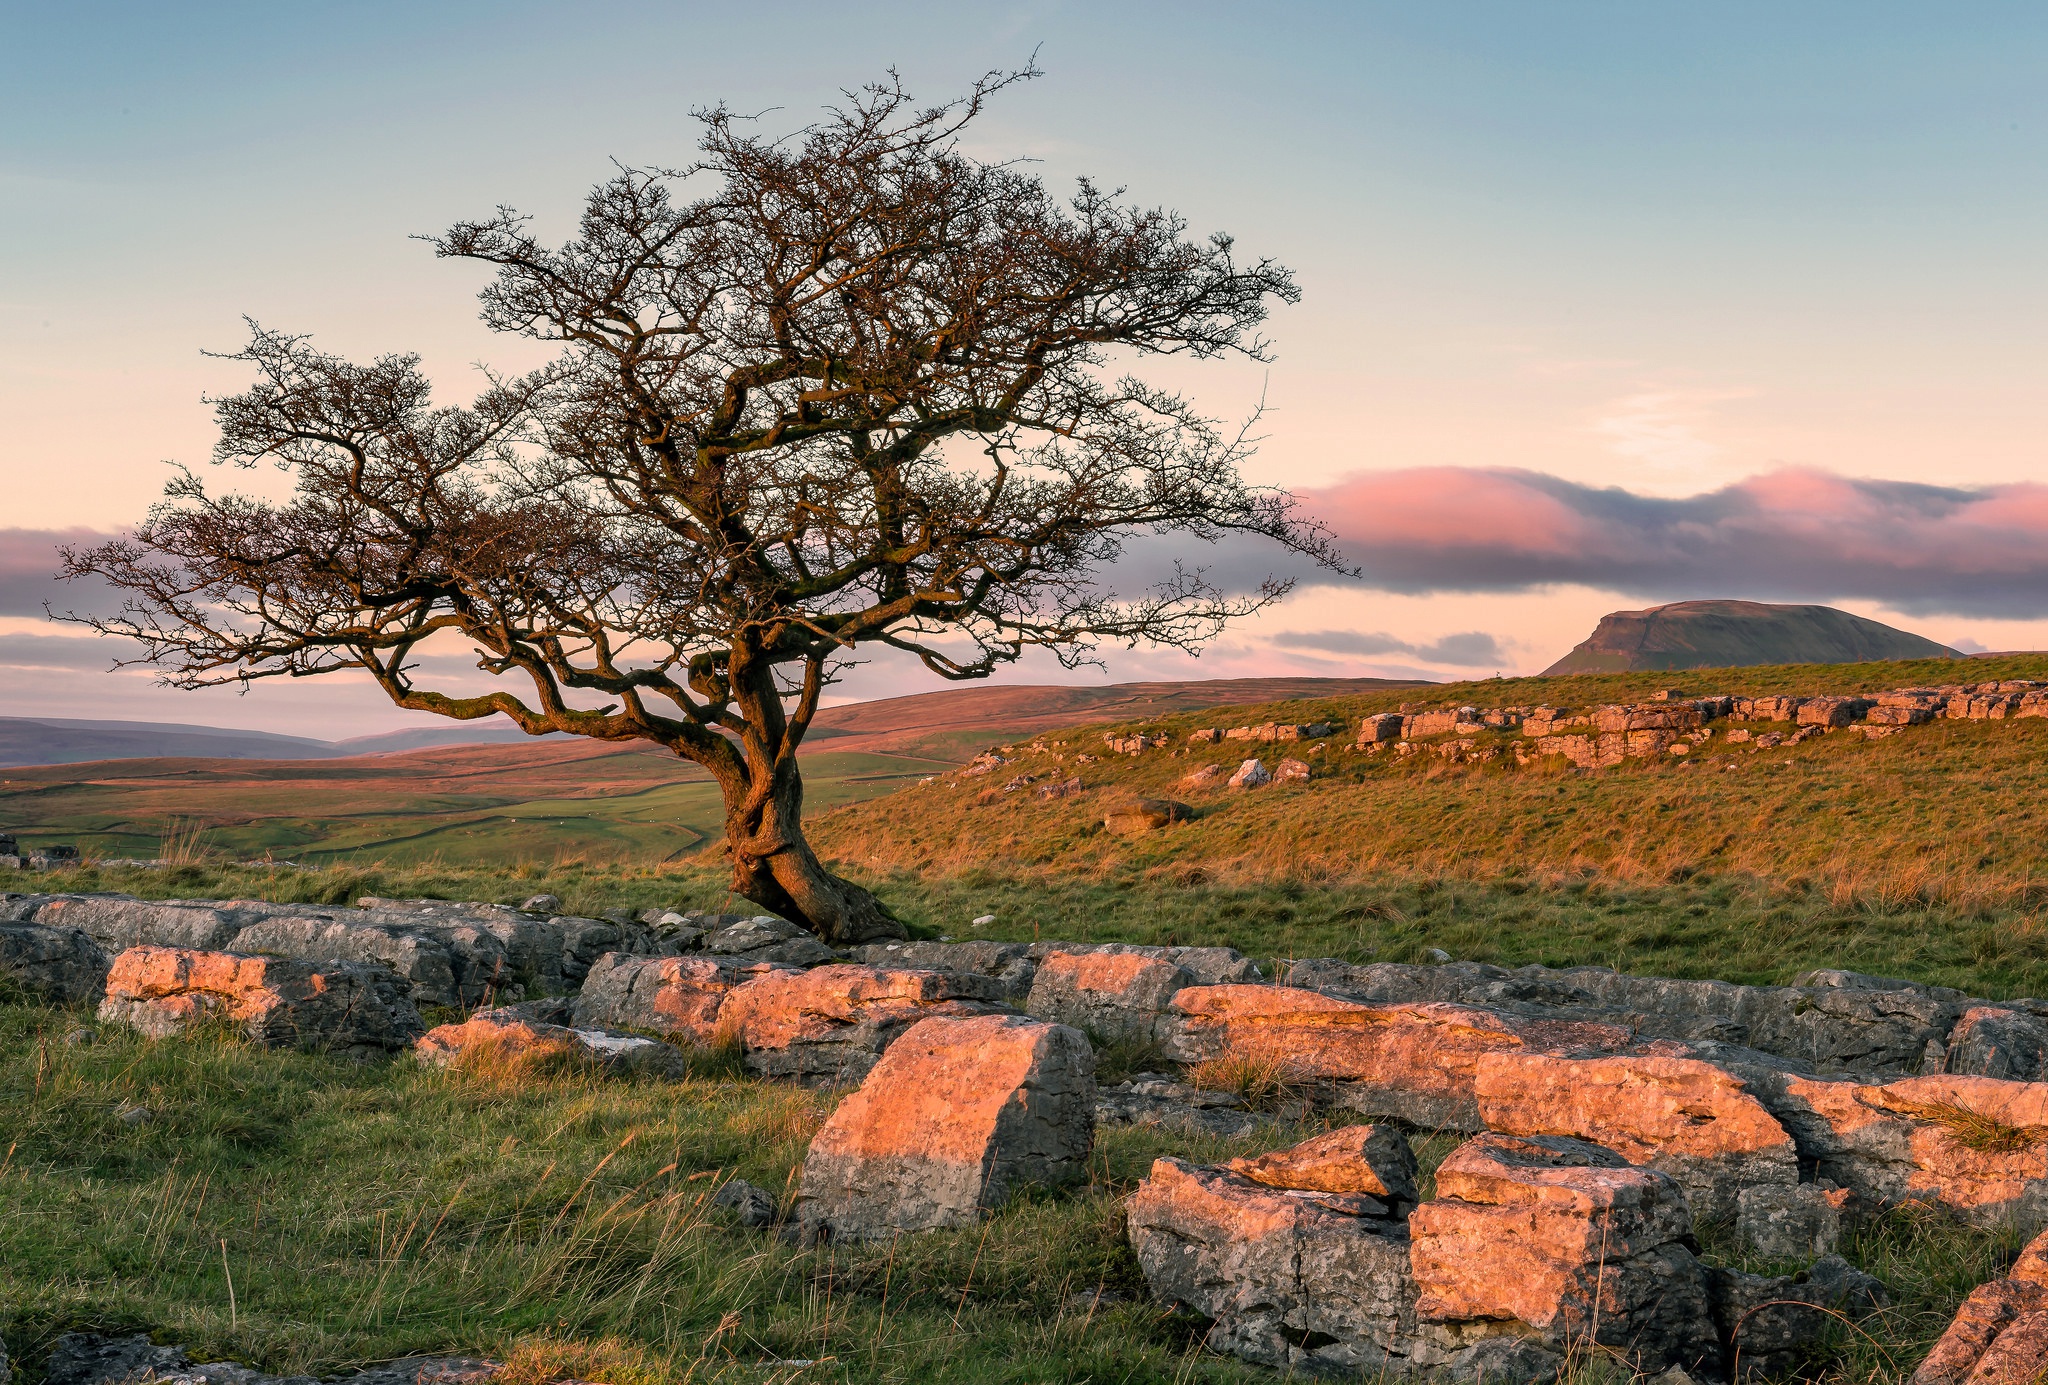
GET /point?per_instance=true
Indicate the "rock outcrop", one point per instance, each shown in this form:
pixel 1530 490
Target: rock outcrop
pixel 1417 1063
pixel 1999 1335
pixel 954 1117
pixel 352 1008
pixel 1107 995
pixel 676 996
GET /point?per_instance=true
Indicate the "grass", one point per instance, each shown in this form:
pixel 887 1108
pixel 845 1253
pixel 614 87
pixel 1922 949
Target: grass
pixel 1974 1130
pixel 563 1222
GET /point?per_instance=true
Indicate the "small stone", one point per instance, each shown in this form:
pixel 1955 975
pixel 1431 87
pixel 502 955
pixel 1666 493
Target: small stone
pixel 982 921
pixel 79 1038
pixel 542 904
pixel 1437 955
pixel 753 1205
pixel 1372 1159
pixel 135 1115
pixel 1250 775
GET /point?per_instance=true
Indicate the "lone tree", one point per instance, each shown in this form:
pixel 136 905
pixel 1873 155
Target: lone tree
pixel 856 390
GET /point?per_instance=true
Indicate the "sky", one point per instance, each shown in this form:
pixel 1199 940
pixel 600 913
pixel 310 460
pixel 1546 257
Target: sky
pixel 1603 304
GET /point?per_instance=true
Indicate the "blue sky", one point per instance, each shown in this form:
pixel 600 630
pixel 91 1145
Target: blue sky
pixel 1666 248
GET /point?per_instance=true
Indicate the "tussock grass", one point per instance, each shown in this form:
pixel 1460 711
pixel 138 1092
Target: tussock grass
pixel 1976 1131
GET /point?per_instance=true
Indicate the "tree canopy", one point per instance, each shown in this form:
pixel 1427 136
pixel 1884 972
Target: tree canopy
pixel 843 389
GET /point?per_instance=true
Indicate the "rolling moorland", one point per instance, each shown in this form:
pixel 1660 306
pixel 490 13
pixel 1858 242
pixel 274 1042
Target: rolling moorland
pixel 559 1220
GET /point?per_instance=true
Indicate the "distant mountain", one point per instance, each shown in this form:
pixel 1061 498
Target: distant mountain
pixel 1733 634
pixel 66 741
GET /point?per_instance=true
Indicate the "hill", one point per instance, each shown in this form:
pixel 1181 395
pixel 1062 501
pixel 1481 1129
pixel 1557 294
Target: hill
pixel 950 724
pixel 1735 634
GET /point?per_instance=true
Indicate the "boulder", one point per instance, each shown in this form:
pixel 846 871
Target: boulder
pixel 57 966
pixel 1291 771
pixel 1210 966
pixel 122 921
pixel 1366 1161
pixel 501 1039
pixel 957 1115
pixel 1107 995
pixel 1379 728
pixel 754 1206
pixel 830 1025
pixel 1416 1063
pixel 1571 1241
pixel 1250 775
pixel 1202 778
pixel 1832 711
pixel 1796 1223
pixel 1976 1145
pixel 413 953
pixel 1010 964
pixel 1680 1116
pixel 354 1008
pixel 676 996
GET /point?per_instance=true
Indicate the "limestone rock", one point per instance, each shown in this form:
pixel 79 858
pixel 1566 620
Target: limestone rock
pixel 1570 1240
pixel 1796 1223
pixel 1416 1063
pixel 345 1007
pixel 1289 1280
pixel 84 1359
pixel 1995 1041
pixel 502 1037
pixel 542 904
pixel 1976 1145
pixel 1375 1161
pixel 1154 1100
pixel 58 966
pixel 2002 1307
pixel 1108 995
pixel 414 954
pixel 1681 1116
pixel 122 921
pixel 769 939
pixel 677 996
pixel 1773 1323
pixel 1291 771
pixel 830 1025
pixel 1010 964
pixel 1379 728
pixel 959 1113
pixel 753 1206
pixel 1250 775
pixel 1203 778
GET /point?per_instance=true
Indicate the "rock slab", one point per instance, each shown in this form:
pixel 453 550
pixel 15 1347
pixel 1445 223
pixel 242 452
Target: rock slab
pixel 957 1114
pixel 344 1007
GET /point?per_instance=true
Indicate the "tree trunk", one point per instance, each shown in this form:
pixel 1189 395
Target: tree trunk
pixel 775 867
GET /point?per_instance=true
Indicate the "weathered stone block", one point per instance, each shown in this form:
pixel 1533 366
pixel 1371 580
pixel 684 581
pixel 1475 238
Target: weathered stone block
pixel 1680 1116
pixel 679 996
pixel 1011 964
pixel 499 1038
pixel 1994 1041
pixel 356 1008
pixel 1796 1223
pixel 1110 995
pixel 956 1115
pixel 1413 1062
pixel 1368 1161
pixel 830 1024
pixel 1569 1239
pixel 58 966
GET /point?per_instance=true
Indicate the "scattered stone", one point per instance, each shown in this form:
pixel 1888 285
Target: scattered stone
pixel 1107 995
pixel 1570 1240
pixel 1060 788
pixel 753 1206
pixel 1680 1116
pixel 84 1359
pixel 830 1025
pixel 498 1037
pixel 1250 775
pixel 132 1116
pixel 542 904
pixel 1378 729
pixel 1437 955
pixel 1207 735
pixel 1291 771
pixel 1801 1222
pixel 342 1007
pixel 957 1115
pixel 78 1038
pixel 58 966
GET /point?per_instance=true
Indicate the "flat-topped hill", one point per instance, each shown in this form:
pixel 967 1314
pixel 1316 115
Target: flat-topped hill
pixel 1733 634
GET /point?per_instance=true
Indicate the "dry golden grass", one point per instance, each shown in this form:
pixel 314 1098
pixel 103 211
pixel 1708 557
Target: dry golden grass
pixel 1976 1131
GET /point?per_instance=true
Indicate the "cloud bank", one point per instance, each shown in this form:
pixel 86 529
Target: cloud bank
pixel 1470 649
pixel 1793 535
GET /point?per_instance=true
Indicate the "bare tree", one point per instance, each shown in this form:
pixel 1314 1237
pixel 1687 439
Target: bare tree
pixel 858 391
